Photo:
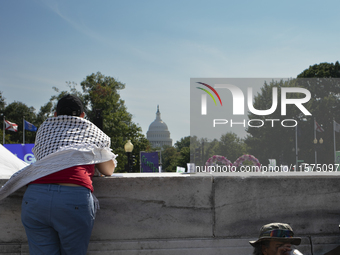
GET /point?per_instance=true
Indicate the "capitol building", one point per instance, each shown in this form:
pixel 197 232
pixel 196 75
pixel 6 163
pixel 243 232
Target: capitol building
pixel 158 133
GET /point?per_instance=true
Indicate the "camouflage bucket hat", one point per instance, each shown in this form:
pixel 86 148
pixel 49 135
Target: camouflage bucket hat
pixel 277 231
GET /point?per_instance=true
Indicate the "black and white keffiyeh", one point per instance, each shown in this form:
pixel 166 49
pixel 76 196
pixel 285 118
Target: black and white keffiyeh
pixel 62 142
pixel 59 132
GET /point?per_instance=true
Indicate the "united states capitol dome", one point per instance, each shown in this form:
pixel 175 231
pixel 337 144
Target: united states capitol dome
pixel 158 133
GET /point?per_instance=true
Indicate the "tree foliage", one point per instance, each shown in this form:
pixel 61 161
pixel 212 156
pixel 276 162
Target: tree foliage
pixel 15 112
pixel 98 92
pixel 272 140
pixel 100 95
pixel 177 155
pixel 184 142
pixel 323 83
pixel 322 70
pixel 169 158
pixel 229 146
pixel 101 98
pixel 278 142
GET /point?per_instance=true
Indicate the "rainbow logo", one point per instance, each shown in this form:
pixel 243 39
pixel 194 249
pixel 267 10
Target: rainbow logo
pixel 209 93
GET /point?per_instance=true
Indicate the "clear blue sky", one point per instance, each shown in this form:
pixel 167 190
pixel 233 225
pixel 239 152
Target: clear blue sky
pixel 155 47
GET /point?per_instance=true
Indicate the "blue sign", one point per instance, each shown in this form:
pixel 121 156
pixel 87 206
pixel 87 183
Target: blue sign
pixel 149 162
pixel 22 151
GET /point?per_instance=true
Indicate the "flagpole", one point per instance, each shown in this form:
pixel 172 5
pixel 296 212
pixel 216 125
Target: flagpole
pixel 296 149
pixel 23 133
pixel 334 141
pixel 315 152
pixel 3 133
pixel 23 128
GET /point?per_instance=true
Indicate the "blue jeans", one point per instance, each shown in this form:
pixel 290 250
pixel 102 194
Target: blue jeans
pixel 57 219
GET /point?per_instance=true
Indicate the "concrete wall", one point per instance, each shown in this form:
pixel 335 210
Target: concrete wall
pixel 206 214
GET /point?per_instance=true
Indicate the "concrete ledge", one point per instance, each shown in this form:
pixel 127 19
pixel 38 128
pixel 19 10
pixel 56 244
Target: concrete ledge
pixel 310 204
pixel 10 249
pixel 12 230
pixel 208 246
pixel 170 213
pixel 149 206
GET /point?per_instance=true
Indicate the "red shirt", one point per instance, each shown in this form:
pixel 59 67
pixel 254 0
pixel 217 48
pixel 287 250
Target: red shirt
pixel 80 175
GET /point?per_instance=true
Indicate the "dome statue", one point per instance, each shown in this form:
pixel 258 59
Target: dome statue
pixel 158 133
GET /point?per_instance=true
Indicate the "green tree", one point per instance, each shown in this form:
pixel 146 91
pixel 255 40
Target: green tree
pixel 210 149
pixel 322 70
pixel 15 112
pixel 279 142
pixel 45 112
pixel 231 146
pixel 183 157
pixel 169 159
pixel 323 83
pixel 173 156
pixel 184 142
pixel 183 151
pixel 100 95
pixel 272 140
pixel 194 150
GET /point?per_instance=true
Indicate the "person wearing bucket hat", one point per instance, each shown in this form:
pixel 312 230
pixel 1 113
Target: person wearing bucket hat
pixel 276 239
